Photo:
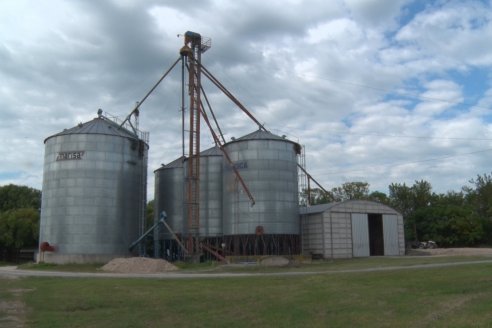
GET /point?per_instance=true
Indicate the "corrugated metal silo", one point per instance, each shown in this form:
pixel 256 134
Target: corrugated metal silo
pixel 169 184
pixel 211 163
pixel 94 192
pixel 268 165
pixel 168 197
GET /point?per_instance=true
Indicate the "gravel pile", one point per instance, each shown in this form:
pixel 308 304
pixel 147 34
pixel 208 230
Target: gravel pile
pixel 275 261
pixel 138 265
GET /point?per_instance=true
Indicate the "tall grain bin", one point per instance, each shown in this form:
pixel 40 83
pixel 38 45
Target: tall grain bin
pixel 268 165
pixel 94 192
pixel 211 164
pixel 169 197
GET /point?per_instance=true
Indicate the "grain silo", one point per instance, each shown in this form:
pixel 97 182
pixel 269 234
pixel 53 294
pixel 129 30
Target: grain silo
pixel 211 164
pixel 94 191
pixel 268 165
pixel 169 197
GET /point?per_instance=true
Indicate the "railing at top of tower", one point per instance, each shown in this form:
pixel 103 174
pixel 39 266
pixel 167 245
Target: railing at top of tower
pixel 143 135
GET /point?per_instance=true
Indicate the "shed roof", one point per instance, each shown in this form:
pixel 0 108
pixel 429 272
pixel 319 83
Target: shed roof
pixel 352 205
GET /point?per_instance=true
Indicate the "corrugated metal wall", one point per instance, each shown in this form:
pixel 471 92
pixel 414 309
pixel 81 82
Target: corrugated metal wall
pixel 344 229
pixel 390 230
pixel 360 235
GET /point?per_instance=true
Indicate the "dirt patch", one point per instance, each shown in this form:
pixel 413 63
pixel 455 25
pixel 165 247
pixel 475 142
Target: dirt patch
pixel 466 251
pixel 138 265
pixel 13 312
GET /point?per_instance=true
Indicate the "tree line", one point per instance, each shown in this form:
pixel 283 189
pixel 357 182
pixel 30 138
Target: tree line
pixel 19 220
pixel 452 219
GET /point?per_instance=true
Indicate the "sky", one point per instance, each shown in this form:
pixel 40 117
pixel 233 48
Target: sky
pixel 376 91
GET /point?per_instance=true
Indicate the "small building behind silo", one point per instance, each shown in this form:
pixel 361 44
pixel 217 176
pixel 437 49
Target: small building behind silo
pixel 268 165
pixel 94 192
pixel 353 228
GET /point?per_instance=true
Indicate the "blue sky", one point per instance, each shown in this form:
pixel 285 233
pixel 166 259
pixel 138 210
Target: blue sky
pixel 377 91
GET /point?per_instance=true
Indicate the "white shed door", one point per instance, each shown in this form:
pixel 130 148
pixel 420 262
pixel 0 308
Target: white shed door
pixel 360 235
pixel 390 231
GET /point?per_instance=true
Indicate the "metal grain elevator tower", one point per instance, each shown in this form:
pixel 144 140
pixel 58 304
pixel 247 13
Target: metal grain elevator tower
pixel 190 53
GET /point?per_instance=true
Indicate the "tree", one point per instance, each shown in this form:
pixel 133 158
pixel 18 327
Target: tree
pixel 14 197
pixel 19 219
pixel 316 196
pixel 378 196
pixel 401 198
pixel 351 190
pixel 480 198
pixel 422 194
pixel 407 200
pixel 149 214
pixel 448 225
pixel 18 228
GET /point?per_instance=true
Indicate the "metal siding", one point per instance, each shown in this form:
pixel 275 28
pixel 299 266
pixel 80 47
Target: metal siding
pixel 271 176
pixel 91 207
pixel 169 197
pixel 390 231
pixel 211 195
pixel 360 235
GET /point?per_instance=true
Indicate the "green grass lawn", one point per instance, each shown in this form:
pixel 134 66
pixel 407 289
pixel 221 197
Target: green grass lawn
pixel 458 296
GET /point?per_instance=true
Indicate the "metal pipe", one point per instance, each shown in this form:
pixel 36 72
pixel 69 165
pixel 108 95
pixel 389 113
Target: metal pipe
pixel 228 159
pixel 148 93
pixel 213 114
pixel 183 103
pixel 310 177
pixel 230 95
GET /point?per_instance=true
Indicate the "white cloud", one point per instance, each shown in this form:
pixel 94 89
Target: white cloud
pixel 372 100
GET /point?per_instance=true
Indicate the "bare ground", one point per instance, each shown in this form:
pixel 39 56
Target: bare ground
pixel 13 312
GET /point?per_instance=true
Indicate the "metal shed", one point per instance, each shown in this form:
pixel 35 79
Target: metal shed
pixel 353 228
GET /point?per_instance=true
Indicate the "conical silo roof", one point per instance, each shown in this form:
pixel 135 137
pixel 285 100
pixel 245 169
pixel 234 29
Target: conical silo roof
pixel 260 135
pixel 265 135
pixel 177 163
pixel 99 125
pixel 214 151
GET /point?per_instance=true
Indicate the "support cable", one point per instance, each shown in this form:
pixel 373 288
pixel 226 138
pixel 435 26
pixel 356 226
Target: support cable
pixel 222 88
pixel 311 178
pixel 226 155
pixel 137 106
pixel 213 114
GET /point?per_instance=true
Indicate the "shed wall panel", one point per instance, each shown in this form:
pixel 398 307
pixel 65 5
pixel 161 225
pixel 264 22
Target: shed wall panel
pixel 360 235
pixel 390 231
pixel 340 245
pixel 312 230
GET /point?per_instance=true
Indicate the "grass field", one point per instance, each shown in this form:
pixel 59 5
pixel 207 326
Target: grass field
pixel 458 296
